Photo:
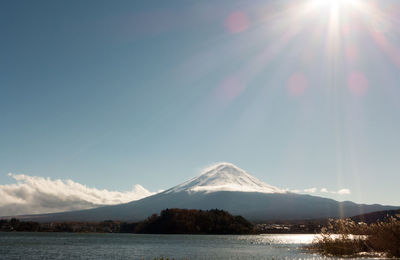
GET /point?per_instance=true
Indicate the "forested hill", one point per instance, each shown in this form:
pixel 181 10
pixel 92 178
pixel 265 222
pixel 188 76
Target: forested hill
pixel 373 217
pixel 185 221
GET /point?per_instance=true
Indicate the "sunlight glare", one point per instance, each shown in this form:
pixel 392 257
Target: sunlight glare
pixel 335 3
pixel 334 6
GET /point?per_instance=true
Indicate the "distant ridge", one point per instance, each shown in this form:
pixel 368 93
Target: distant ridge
pixel 376 216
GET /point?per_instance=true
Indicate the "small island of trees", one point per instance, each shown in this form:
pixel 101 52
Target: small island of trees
pixel 184 221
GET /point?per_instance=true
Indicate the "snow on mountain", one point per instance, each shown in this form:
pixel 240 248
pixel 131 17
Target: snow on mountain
pixel 141 192
pixel 224 177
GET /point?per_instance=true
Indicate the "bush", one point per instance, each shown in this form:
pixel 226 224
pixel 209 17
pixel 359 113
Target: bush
pixel 345 237
pixel 385 237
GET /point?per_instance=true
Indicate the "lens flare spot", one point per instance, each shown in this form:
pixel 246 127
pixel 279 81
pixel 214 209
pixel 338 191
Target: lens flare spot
pixel 358 83
pixel 346 28
pixel 394 11
pixel 352 53
pixel 230 88
pixel 237 22
pixel 353 27
pixel 297 84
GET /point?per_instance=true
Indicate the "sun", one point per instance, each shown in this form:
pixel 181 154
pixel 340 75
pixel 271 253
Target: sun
pixel 335 4
pixel 334 11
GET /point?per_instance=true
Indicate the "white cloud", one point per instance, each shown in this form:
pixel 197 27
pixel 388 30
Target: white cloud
pixel 33 195
pixel 343 191
pixel 310 190
pixel 322 190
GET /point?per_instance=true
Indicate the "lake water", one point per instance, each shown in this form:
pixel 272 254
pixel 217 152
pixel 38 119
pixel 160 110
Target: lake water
pixel 135 246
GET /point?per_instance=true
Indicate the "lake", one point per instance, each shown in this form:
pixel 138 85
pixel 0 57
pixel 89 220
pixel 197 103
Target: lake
pixel 135 246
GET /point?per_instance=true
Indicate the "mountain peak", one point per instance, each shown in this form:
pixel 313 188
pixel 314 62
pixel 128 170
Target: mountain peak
pixel 224 177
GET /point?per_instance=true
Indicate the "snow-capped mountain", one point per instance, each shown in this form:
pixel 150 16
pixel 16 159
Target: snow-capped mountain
pixel 223 186
pixel 224 177
pixel 141 192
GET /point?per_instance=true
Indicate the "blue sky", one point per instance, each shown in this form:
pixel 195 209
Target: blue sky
pixel 114 93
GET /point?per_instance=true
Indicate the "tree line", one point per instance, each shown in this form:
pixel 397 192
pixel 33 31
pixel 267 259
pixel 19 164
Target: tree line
pixel 170 221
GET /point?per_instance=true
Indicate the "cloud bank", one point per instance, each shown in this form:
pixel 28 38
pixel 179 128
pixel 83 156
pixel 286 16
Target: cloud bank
pixel 322 190
pixel 35 195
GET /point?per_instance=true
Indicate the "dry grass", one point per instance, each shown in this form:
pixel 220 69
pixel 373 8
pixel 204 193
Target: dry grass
pixel 385 237
pixel 347 238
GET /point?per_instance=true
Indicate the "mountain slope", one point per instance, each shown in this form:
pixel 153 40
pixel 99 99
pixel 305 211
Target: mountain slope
pixel 251 205
pixel 226 187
